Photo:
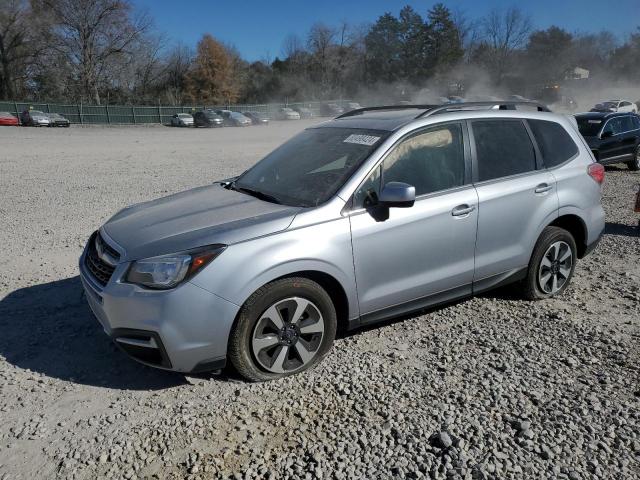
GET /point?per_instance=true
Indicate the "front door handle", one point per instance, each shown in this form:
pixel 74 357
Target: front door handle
pixel 543 188
pixel 462 210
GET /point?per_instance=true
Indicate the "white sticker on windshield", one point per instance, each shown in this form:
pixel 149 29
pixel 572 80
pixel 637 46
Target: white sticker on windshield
pixel 362 139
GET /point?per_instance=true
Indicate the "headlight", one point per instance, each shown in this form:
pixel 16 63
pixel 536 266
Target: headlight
pixel 168 271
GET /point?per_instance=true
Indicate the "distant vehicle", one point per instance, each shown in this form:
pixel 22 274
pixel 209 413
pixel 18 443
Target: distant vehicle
pixel 207 118
pixel 331 110
pixel 620 106
pixel 613 137
pixel 6 119
pixel 304 112
pixel 182 120
pixel 34 118
pixel 287 113
pixel 234 119
pixel 57 120
pixel 257 118
pixel 353 106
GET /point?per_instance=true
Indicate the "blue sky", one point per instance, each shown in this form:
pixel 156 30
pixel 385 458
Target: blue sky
pixel 257 28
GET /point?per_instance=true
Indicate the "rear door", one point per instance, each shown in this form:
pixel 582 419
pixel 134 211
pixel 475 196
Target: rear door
pixel 516 198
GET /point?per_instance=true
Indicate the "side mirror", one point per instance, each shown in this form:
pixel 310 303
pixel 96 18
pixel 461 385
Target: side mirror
pixel 606 134
pixel 397 194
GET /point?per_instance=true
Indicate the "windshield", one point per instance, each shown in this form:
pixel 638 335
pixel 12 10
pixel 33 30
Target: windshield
pixel 310 168
pixel 589 127
pixel 609 104
pixel 237 116
pixel 184 115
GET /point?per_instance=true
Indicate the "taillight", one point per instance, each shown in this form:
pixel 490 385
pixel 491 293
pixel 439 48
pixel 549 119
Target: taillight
pixel 596 171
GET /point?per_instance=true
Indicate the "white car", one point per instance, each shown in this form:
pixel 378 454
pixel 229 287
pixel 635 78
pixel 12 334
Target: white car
pixel 621 106
pixel 286 113
pixel 182 120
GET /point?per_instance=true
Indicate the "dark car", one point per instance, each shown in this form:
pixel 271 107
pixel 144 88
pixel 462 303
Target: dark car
pixel 305 112
pixel 257 118
pixel 207 118
pixel 34 118
pixel 331 110
pixel 57 120
pixel 234 119
pixel 612 137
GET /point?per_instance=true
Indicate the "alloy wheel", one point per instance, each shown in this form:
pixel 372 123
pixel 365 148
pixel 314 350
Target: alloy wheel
pixel 287 335
pixel 555 267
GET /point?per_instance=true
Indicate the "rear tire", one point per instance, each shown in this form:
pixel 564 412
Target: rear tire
pixel 634 164
pixel 552 264
pixel 284 328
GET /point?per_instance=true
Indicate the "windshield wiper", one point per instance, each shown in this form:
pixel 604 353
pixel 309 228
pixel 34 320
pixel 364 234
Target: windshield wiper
pixel 254 193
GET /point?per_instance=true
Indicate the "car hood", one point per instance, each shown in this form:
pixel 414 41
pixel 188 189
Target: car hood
pixel 203 216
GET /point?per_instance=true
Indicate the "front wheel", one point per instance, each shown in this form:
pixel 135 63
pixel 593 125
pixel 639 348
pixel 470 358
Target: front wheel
pixel 635 163
pixel 284 328
pixel 552 264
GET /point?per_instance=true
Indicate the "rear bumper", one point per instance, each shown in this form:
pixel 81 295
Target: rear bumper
pixel 185 329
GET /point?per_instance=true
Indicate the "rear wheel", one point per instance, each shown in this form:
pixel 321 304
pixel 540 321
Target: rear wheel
pixel 552 264
pixel 284 328
pixel 635 163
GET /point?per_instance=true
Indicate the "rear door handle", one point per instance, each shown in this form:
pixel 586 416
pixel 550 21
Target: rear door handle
pixel 462 210
pixel 543 188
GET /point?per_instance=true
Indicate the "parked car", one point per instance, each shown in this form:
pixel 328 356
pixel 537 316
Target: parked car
pixel 287 113
pixel 257 118
pixel 612 137
pixel 182 120
pixel 57 120
pixel 6 119
pixel 416 206
pixel 331 110
pixel 620 106
pixel 34 118
pixel 304 112
pixel 234 119
pixel 207 118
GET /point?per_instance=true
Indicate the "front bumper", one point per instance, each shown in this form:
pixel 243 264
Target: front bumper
pixel 184 329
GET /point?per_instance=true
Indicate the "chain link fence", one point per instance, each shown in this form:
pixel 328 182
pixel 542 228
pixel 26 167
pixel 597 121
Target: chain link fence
pixel 160 114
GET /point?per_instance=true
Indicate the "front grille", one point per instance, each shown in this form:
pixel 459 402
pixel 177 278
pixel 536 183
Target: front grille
pixel 100 269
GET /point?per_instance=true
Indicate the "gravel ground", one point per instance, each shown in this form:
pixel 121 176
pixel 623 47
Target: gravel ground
pixel 491 387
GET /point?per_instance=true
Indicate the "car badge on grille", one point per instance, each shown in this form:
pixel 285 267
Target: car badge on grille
pixel 102 254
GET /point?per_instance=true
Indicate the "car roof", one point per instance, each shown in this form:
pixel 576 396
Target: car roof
pixel 393 117
pixel 602 115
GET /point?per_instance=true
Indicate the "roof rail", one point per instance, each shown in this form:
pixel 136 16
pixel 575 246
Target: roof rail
pixel 502 105
pixel 449 107
pixel 360 111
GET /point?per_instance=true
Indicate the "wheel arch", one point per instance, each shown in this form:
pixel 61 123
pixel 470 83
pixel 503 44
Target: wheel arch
pixel 576 226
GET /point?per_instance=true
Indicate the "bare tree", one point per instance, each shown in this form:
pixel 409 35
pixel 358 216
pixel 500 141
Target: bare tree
pixel 504 31
pixel 95 35
pixel 18 48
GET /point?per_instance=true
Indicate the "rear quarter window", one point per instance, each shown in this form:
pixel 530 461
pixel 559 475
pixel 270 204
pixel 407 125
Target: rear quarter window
pixel 555 144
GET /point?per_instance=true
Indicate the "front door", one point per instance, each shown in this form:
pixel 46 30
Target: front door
pixel 407 258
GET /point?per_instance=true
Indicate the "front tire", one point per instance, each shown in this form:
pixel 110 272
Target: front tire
pixel 284 328
pixel 634 164
pixel 552 264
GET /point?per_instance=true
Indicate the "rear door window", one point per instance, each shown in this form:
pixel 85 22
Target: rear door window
pixel 503 148
pixel 555 144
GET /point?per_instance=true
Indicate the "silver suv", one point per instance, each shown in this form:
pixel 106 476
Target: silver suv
pixel 377 213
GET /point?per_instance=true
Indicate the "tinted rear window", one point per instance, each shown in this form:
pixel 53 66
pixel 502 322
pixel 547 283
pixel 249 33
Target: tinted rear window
pixel 589 127
pixel 556 146
pixel 503 148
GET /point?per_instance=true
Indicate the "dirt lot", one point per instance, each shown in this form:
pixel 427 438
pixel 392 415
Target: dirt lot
pixel 491 387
